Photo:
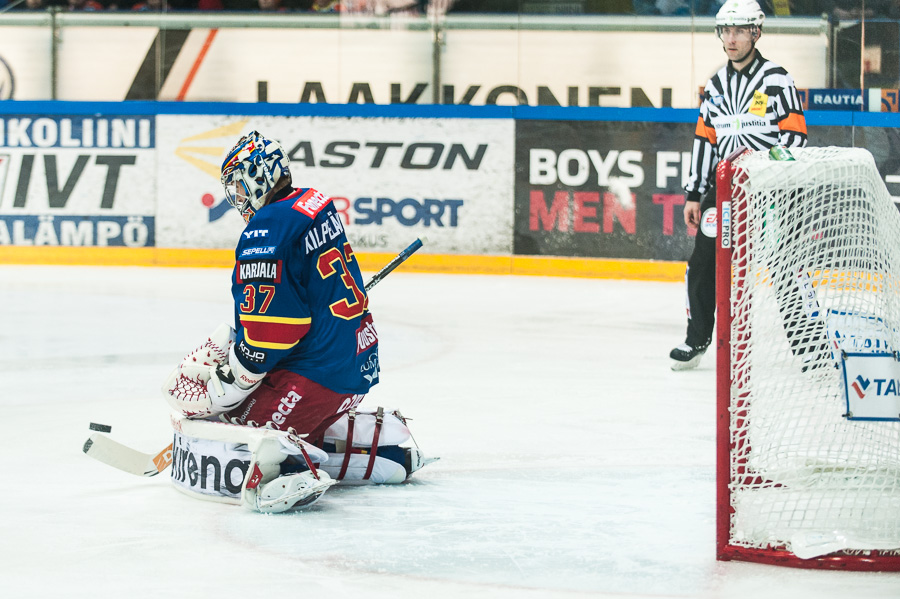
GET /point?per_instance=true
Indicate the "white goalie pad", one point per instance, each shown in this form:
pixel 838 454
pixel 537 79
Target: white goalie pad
pixel 384 471
pixel 212 470
pixel 211 460
pixel 372 432
pixel 393 430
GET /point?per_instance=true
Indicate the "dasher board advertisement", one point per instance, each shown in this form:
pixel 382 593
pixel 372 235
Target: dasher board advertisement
pixel 77 180
pixel 446 181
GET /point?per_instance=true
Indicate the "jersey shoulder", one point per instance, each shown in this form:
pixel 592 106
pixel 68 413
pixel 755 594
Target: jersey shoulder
pixel 282 221
pixel 299 208
pixel 775 74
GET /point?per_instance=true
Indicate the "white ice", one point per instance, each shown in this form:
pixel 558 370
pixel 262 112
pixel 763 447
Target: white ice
pixel 574 463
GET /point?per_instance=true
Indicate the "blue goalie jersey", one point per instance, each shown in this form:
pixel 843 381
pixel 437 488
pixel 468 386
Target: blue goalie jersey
pixel 300 301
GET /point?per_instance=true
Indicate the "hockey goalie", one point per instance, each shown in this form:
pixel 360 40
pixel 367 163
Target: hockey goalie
pixel 267 410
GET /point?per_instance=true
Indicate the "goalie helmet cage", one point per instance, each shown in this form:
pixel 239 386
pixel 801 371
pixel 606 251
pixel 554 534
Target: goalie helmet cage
pixel 798 483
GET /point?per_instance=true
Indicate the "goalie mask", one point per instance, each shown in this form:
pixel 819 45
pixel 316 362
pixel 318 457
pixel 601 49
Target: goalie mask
pixel 740 13
pixel 252 169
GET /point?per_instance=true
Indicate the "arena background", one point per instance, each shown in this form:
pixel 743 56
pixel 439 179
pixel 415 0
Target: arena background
pixel 564 154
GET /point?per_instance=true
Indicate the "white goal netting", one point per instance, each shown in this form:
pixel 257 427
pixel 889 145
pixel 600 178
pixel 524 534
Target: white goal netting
pixel 815 270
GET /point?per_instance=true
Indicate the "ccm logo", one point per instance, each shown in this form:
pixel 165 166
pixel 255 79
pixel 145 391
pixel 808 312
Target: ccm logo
pixel 285 406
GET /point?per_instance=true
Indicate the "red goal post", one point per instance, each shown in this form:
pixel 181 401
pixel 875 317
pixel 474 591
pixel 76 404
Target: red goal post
pixel 807 255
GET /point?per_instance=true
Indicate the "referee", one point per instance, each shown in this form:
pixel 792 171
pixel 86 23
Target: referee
pixel 750 102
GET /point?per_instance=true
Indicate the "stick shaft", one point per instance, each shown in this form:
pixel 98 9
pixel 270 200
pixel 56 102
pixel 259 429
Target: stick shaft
pixel 397 261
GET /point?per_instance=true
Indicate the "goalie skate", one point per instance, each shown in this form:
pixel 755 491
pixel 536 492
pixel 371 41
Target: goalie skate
pixel 415 460
pixel 292 492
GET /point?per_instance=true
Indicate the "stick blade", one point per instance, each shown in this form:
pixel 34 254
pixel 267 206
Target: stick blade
pixel 103 449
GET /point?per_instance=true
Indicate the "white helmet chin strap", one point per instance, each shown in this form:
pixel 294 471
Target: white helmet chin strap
pixel 745 56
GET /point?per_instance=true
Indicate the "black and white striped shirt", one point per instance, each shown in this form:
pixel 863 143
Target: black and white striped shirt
pixel 757 107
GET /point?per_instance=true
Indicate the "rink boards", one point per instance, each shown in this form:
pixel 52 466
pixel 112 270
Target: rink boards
pixel 530 190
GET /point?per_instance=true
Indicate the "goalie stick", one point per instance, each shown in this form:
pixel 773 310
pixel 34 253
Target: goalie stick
pixel 397 261
pixel 103 449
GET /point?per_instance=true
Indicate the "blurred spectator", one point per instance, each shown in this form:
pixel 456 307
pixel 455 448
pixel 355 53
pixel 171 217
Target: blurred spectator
pixel 86 5
pixel 699 8
pixel 678 8
pixel 807 8
pixel 272 6
pixel 509 6
pixel 242 5
pixel 210 5
pixel 609 7
pixel 850 10
pixel 151 6
pixel 325 6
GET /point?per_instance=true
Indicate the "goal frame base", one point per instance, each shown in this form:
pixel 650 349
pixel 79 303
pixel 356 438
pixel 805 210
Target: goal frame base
pixel 871 561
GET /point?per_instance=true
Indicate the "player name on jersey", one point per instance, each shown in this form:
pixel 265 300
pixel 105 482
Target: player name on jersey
pixel 252 271
pixel 324 232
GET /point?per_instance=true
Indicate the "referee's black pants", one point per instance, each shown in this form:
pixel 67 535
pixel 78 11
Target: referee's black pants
pixel 701 280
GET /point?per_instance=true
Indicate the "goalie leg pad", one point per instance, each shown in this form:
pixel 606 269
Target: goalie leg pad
pixel 242 465
pixel 370 446
pixel 382 470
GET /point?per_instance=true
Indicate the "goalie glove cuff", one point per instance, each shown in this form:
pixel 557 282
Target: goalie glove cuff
pixel 243 378
pixel 230 384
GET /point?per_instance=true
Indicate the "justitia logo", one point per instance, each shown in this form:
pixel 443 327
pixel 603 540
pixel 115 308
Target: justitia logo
pixel 7 83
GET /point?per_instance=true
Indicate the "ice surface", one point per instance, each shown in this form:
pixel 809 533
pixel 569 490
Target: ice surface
pixel 574 463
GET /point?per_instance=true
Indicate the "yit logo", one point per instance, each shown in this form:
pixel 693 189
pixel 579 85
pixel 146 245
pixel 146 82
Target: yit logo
pixel 7 82
pixel 860 385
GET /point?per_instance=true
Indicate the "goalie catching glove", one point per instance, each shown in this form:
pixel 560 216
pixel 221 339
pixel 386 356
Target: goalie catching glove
pixel 210 380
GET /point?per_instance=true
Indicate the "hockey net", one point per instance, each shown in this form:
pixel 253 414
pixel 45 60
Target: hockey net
pixel 808 268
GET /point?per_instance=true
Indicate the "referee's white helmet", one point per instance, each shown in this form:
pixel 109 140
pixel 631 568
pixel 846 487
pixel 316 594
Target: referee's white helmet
pixel 740 12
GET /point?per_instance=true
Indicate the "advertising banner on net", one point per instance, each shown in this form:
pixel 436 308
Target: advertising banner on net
pixel 77 181
pixel 449 182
